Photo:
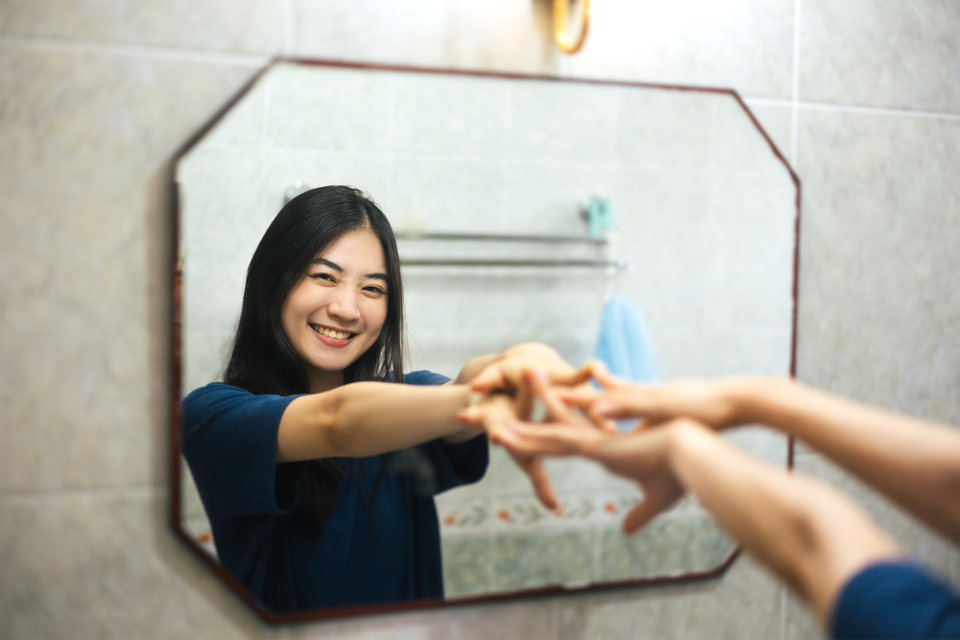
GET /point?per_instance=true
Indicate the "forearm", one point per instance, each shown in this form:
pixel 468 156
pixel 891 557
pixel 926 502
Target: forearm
pixel 914 463
pixel 805 532
pixel 368 418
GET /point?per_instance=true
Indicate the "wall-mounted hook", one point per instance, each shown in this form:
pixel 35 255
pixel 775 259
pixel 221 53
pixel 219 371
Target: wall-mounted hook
pixel 561 33
pixel 599 216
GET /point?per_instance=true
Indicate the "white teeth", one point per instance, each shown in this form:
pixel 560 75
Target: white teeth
pixel 330 333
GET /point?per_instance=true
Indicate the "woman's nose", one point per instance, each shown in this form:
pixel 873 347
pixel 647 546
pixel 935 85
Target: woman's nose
pixel 344 305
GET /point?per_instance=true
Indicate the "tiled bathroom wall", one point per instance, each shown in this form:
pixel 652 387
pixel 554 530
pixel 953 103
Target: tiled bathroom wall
pixel 95 99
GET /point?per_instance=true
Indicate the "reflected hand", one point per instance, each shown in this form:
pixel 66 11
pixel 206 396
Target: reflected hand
pixel 712 403
pixel 495 412
pixel 507 373
pixel 642 455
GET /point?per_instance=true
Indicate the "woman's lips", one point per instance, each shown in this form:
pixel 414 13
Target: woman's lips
pixel 332 337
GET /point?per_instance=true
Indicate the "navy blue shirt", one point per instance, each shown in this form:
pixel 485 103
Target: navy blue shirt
pixel 896 600
pixel 390 553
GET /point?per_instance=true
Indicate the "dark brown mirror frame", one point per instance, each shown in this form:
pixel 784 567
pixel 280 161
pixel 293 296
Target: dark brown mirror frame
pixel 176 360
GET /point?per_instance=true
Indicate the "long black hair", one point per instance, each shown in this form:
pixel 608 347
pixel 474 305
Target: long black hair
pixel 262 359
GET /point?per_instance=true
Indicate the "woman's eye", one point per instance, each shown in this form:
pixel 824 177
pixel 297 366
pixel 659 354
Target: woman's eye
pixel 323 276
pixel 375 290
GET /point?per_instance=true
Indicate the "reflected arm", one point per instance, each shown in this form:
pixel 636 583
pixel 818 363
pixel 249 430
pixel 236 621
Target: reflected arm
pixel 368 418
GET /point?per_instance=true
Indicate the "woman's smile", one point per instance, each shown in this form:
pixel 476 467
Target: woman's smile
pixel 332 337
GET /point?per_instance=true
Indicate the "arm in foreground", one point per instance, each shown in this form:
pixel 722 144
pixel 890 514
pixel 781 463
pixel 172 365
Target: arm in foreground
pixel 914 463
pixel 806 533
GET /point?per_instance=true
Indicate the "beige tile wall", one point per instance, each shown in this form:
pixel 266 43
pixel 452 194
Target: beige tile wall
pixel 95 98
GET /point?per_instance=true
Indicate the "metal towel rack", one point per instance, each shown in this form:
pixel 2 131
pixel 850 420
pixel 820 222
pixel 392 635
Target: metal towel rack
pixel 598 241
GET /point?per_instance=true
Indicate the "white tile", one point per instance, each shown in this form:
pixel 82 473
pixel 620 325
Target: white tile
pixel 870 53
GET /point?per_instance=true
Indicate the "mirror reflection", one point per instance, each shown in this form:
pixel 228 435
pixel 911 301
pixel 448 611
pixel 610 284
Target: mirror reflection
pixel 653 228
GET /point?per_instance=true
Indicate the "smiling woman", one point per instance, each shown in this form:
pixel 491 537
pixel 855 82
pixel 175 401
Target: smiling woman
pixel 316 468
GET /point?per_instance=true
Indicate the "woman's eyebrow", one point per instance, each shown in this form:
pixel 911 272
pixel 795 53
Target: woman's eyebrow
pixel 329 263
pixel 339 269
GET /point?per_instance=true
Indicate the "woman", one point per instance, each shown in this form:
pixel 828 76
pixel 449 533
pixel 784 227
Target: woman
pixel 290 453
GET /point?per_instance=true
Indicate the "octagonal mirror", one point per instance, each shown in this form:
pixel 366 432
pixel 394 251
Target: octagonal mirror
pixel 526 208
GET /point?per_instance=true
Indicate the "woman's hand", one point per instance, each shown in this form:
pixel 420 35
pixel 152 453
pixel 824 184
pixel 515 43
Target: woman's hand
pixel 641 456
pixel 496 411
pixel 507 372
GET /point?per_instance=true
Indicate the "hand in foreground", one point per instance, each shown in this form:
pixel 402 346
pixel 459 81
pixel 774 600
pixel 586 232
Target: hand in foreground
pixel 495 411
pixel 713 403
pixel 641 455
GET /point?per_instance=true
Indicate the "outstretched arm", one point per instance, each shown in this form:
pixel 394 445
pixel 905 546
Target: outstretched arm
pixel 915 463
pixel 805 532
pixel 367 418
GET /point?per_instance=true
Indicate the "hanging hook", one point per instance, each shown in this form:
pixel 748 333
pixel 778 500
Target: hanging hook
pixel 560 24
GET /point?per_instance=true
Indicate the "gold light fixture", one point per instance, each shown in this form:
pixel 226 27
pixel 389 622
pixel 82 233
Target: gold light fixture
pixel 561 33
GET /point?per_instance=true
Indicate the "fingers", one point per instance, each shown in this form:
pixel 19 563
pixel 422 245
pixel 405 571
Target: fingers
pixel 548 439
pixel 600 373
pixel 524 403
pixel 638 517
pixel 490 379
pixel 628 401
pixel 538 384
pixel 541 481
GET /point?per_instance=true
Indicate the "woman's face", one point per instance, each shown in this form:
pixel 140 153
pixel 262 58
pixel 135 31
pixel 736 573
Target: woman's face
pixel 336 312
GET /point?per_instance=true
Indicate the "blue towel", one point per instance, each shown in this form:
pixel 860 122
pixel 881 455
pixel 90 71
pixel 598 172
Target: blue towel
pixel 624 344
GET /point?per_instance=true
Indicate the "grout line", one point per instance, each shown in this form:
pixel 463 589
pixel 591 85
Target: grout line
pixel 821 106
pixel 824 106
pixel 290 43
pixel 31 496
pixel 162 53
pixel 795 89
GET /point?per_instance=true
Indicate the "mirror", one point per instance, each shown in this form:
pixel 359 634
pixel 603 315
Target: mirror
pixel 495 185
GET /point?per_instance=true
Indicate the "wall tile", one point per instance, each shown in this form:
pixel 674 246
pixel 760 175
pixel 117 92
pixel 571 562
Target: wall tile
pixel 713 44
pixel 374 31
pixel 744 603
pixel 449 115
pixel 870 53
pixel 466 566
pixel 879 250
pixel 254 27
pixel 512 619
pixel 544 559
pixel 84 144
pixel 104 565
pixel 503 35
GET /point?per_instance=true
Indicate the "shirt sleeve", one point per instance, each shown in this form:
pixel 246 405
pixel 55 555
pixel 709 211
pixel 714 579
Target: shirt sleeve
pixel 230 443
pixel 451 465
pixel 896 600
